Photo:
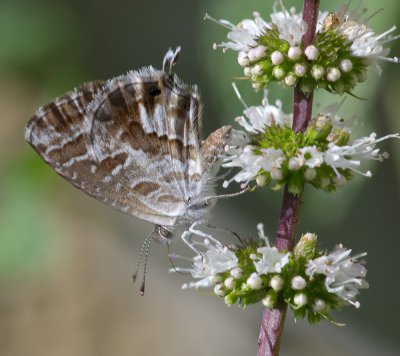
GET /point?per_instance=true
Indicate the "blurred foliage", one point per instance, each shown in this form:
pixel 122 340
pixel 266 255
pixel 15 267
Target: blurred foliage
pixel 25 239
pixel 40 42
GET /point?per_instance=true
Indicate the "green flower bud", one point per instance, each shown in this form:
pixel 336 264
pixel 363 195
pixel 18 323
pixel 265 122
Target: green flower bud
pixel 306 247
pixel 319 128
pixel 339 137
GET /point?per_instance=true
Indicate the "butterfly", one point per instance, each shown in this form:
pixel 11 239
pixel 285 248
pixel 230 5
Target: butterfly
pixel 133 142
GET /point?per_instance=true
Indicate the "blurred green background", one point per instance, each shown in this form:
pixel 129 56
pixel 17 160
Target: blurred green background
pixel 66 260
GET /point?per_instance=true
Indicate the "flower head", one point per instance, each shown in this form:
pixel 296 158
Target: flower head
pixel 269 150
pixel 311 282
pixel 216 259
pixel 365 43
pixel 344 46
pixel 345 276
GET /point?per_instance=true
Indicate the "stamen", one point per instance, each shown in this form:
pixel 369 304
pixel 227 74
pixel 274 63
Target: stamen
pixel 239 96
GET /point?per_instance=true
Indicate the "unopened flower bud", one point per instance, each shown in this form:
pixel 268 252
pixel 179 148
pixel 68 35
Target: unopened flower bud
pixel 311 52
pixel 253 256
pixel 300 69
pixel 295 53
pixel 216 279
pixel 219 290
pixel 252 55
pixel 254 281
pixel 319 128
pixel 319 306
pixel 317 72
pixel 295 163
pixel 277 58
pixel 346 65
pixel 278 72
pixel 261 180
pixel 257 85
pixel 236 272
pixel 247 71
pixel 243 60
pixel 257 70
pixel 260 52
pixel 306 247
pixel 310 174
pixel 276 283
pixel 290 80
pixel 298 283
pixel 230 283
pixel 333 74
pixel 300 299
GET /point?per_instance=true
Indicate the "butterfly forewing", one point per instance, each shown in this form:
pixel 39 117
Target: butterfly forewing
pixel 132 142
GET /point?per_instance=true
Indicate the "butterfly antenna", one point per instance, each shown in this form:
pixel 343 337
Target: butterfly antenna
pixel 141 291
pixel 144 251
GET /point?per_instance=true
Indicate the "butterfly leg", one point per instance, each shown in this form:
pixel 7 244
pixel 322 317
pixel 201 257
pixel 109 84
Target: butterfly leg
pixel 223 229
pixel 201 233
pixel 187 239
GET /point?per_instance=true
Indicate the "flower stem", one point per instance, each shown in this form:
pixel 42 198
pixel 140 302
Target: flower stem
pixel 273 320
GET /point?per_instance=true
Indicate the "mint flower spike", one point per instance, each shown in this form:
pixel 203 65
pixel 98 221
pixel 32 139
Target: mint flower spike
pixel 343 48
pixel 268 150
pixel 312 283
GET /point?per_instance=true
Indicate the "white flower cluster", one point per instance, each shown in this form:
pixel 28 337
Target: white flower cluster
pixel 243 37
pixel 364 41
pixel 216 259
pixel 245 271
pixel 273 51
pixel 254 160
pixel 344 274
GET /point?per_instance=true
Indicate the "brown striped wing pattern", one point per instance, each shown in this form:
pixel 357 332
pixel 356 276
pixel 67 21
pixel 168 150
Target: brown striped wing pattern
pixel 132 142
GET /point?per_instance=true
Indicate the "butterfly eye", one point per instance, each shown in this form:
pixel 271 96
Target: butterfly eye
pixel 154 91
pixel 164 232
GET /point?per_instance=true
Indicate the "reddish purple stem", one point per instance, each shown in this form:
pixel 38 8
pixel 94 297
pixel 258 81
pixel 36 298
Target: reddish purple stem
pixel 273 320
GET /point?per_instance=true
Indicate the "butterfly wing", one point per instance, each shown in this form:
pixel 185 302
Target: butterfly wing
pixel 138 117
pixel 64 131
pixel 132 142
